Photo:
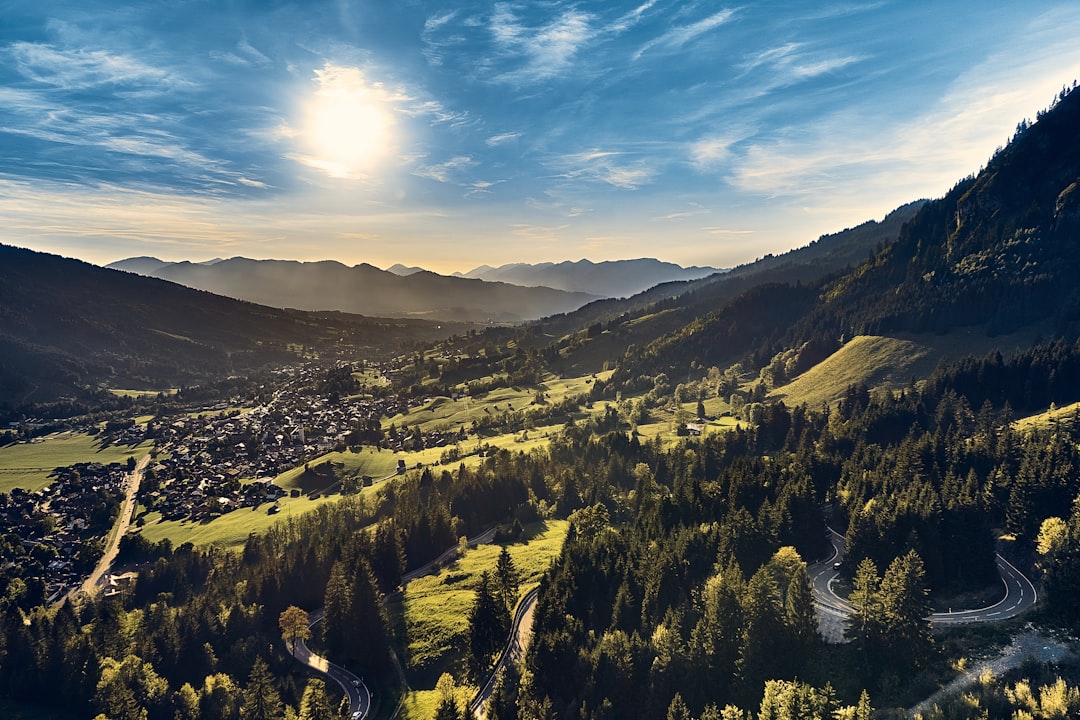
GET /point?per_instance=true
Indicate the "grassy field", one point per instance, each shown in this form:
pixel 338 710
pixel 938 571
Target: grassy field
pixel 1066 416
pixel 28 465
pixel 436 608
pixel 873 360
pixel 892 362
pixel 143 393
pixel 228 531
pixel 443 413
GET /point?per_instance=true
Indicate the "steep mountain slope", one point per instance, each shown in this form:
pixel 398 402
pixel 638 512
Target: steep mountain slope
pixel 66 326
pixel 611 278
pixel 365 289
pixel 1000 249
pixel 999 252
pixel 667 308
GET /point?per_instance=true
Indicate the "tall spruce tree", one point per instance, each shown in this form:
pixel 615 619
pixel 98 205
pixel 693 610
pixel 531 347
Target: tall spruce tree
pixel 489 622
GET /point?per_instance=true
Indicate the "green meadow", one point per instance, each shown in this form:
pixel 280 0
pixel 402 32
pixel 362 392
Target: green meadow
pixel 444 413
pixel 1066 416
pixel 143 393
pixel 29 465
pixel 891 362
pixel 436 609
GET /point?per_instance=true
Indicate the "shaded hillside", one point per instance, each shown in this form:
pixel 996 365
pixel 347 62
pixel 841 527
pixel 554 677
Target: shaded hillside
pixel 667 309
pixel 611 278
pixel 364 289
pixel 66 326
pixel 1000 249
pixel 999 252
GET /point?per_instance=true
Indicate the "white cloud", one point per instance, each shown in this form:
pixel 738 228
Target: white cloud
pixel 676 38
pixel 863 157
pixel 710 152
pixel 445 172
pixel 81 68
pixel 791 62
pixel 545 51
pixel 632 18
pixel 604 166
pixel 246 55
pixel 502 139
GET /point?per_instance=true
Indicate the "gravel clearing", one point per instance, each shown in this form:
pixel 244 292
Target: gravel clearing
pixel 1029 644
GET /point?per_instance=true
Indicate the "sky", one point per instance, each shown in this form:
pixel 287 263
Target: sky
pixel 453 134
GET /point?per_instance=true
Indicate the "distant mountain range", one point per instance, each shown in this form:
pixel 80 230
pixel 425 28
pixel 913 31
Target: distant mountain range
pixel 611 278
pixel 67 326
pixel 362 289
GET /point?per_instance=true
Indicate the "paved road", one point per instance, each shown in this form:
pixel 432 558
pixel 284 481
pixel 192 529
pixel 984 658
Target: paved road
pixel 1020 594
pixel 123 522
pixel 352 685
pixel 516 644
pixel 450 554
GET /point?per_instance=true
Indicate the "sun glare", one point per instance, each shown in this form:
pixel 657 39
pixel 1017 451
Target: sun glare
pixel 348 123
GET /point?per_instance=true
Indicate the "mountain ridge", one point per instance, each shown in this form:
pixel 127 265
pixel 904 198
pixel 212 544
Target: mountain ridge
pixel 608 278
pixel 365 289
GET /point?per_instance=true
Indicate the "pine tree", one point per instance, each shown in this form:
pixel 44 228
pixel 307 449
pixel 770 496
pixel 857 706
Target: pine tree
pixel 337 617
pixel 489 622
pixel 905 607
pixel 261 698
pixel 802 623
pixel 865 624
pixel 315 703
pixel 508 578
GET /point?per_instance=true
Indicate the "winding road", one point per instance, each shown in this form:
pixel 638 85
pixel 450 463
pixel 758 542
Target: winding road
pixel 1020 593
pixel 353 685
pixel 358 693
pixel 516 644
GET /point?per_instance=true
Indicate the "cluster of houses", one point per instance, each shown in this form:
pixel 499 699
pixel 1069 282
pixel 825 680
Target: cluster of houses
pixel 59 528
pixel 202 458
pixel 205 464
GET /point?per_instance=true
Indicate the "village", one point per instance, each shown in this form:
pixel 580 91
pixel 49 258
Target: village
pixel 205 462
pixel 53 537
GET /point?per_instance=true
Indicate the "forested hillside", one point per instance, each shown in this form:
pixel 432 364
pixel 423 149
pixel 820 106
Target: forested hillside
pixel 68 326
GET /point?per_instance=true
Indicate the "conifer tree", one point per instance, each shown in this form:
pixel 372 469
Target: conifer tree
pixel 261 698
pixel 489 622
pixel 508 578
pixel 315 703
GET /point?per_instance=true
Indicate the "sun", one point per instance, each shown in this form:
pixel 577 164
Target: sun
pixel 348 123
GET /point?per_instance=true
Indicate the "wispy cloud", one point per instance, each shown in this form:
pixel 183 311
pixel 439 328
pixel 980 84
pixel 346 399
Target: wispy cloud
pixel 541 52
pixel 245 54
pixel 682 214
pixel 792 62
pixel 856 155
pixel 708 153
pixel 445 172
pixel 79 69
pixel 677 37
pixel 605 166
pixel 502 139
pixel 632 18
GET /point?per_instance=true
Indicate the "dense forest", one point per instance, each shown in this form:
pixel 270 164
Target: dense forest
pixel 682 583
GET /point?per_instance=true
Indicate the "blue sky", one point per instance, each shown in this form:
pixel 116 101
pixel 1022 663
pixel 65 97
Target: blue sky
pixel 451 134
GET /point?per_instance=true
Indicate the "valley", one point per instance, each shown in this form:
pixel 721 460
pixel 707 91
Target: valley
pixel 820 485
